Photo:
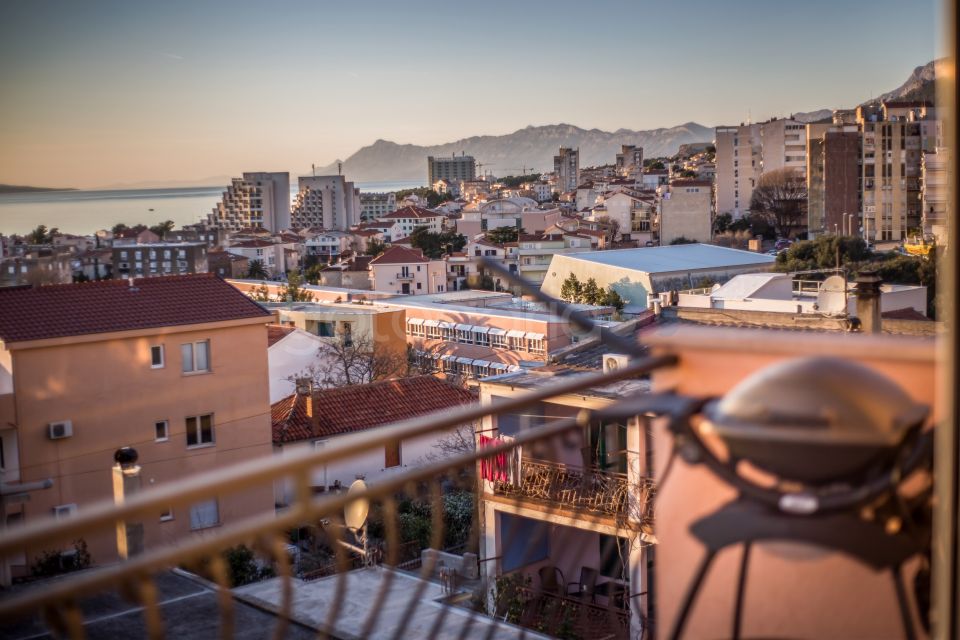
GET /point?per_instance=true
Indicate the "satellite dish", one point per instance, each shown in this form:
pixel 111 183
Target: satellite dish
pixel 355 513
pixel 832 297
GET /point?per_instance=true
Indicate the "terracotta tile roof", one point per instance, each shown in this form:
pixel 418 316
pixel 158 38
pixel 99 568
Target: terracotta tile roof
pixel 277 332
pixel 362 407
pixel 251 244
pixel 78 309
pixel 400 255
pixel 291 418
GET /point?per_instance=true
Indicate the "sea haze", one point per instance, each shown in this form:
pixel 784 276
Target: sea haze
pixel 84 212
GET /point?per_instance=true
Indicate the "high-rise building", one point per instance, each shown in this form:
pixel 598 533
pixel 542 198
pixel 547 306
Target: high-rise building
pixel 566 166
pixel 258 199
pixel 629 160
pixel 738 167
pixel 454 169
pixel 833 178
pixel 330 202
pixel 783 145
pixel 377 205
pixel 893 136
pixel 686 211
pixel 933 169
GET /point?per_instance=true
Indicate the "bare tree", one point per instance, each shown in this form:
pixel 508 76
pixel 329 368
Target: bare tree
pixel 611 226
pixel 781 198
pixel 348 360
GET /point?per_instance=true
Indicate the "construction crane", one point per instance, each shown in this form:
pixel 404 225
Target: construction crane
pixel 481 165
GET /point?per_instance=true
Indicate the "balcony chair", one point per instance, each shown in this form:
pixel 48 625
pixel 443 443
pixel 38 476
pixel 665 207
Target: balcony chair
pixel 551 580
pixel 586 588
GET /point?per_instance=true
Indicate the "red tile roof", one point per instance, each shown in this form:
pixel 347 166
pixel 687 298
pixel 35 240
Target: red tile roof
pixel 78 309
pixel 250 244
pixel 357 408
pixel 292 418
pixel 277 332
pixel 400 255
pixel 907 313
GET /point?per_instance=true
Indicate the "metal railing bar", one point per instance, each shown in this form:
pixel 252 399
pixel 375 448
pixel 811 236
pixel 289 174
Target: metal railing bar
pixel 267 469
pixel 562 309
pixel 187 551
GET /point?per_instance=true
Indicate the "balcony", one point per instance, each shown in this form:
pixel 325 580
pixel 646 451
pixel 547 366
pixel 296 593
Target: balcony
pixel 405 277
pixel 600 492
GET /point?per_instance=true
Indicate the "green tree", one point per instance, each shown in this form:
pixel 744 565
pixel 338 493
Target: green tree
pixel 312 273
pixel 591 293
pixel 435 245
pixel 256 270
pixel 293 291
pixel 571 290
pixel 118 228
pixel 613 299
pixel 261 293
pixel 41 235
pixel 682 240
pixel 502 235
pixel 163 228
pixel 375 247
pixel 722 222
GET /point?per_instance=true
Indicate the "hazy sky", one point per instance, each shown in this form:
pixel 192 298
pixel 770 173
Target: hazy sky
pixel 96 93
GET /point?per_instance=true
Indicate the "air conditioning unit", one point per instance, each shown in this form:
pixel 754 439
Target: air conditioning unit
pixel 614 362
pixel 59 430
pixel 62 511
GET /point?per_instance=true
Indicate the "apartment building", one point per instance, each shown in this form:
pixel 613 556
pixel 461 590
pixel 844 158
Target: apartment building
pixel 329 245
pixel 175 367
pixel 407 271
pixel 566 168
pixel 327 202
pixel 226 264
pixel 738 167
pixel 159 259
pixel 351 274
pixel 258 199
pixel 833 179
pixel 462 168
pixel 577 512
pixel 36 265
pixel 409 218
pixel 686 211
pixel 933 170
pixel 891 158
pixel 783 145
pixel 376 205
pixel 629 161
pixel 269 254
pixel 634 212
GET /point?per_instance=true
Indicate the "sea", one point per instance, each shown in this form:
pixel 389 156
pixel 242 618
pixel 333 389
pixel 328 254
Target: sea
pixel 83 212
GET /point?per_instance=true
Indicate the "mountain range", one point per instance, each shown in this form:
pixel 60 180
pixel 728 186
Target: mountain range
pixel 533 147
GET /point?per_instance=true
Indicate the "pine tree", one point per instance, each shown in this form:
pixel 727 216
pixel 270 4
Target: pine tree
pixel 592 294
pixel 571 290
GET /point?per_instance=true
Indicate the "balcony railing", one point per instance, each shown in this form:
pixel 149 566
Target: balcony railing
pixel 572 617
pixel 404 276
pixel 590 490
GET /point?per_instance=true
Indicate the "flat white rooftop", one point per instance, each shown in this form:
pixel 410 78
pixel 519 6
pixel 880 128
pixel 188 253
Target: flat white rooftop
pixel 393 597
pixel 681 257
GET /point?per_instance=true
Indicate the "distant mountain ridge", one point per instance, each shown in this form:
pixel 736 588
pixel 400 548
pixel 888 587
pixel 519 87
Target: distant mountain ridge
pixel 530 148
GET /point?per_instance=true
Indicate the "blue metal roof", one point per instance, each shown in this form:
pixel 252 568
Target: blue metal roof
pixel 681 257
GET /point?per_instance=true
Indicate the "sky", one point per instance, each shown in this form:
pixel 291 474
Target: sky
pixel 99 93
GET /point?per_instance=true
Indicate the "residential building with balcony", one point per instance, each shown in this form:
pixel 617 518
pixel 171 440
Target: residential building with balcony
pixel 407 271
pixel 37 265
pixel 258 199
pixel 328 202
pixel 566 168
pixel 410 218
pixel 574 517
pixel 933 193
pixel 376 205
pixel 350 273
pixel 159 259
pixel 270 254
pixel 634 212
pixel 175 367
pixel 462 168
pixel 629 161
pixel 686 211
pixel 328 246
pixel 226 264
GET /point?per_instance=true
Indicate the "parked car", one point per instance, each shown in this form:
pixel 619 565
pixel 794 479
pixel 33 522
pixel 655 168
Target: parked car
pixel 783 243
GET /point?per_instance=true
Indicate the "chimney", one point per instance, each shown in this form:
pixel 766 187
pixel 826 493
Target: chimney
pixel 304 386
pixel 868 301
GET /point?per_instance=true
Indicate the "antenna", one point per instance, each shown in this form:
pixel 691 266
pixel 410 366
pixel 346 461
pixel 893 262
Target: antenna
pixel 339 168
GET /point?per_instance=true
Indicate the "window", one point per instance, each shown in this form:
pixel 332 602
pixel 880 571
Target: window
pixel 347 334
pixel 534 536
pixel 326 329
pixel 166 515
pixel 156 356
pixel 204 514
pixel 200 430
pixel 196 356
pixel 161 430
